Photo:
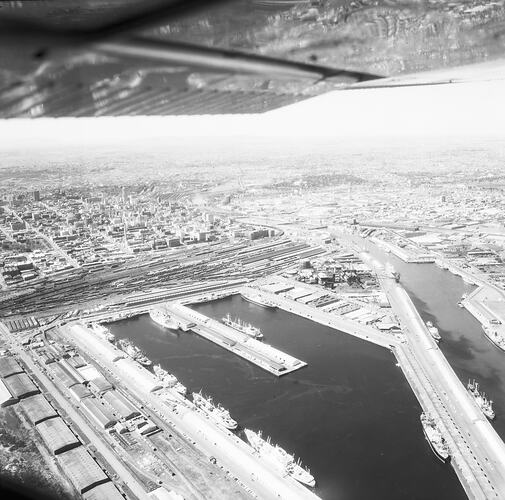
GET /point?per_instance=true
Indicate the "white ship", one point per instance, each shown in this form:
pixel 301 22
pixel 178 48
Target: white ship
pixel 460 303
pixel 169 380
pixel 164 319
pixel 434 437
pixel 497 339
pixel 134 352
pixel 246 328
pixel 480 398
pixel 433 330
pixel 103 332
pixel 279 458
pixel 256 298
pixel 217 413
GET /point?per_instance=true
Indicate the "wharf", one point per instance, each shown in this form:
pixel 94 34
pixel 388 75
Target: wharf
pixel 263 355
pixel 331 320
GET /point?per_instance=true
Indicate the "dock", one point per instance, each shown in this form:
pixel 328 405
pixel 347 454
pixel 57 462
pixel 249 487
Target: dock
pixel 261 354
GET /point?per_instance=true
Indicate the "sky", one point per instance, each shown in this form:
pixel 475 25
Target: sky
pixel 456 110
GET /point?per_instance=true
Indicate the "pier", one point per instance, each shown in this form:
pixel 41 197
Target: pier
pixel 263 355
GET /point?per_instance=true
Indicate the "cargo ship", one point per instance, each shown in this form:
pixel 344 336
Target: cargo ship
pixel 434 437
pixel 169 380
pixel 217 413
pixel 256 298
pixel 279 458
pixel 246 328
pixel 480 398
pixel 497 339
pixel 134 352
pixel 433 331
pixel 163 319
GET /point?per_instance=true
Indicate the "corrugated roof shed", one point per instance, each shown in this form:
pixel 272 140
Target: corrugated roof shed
pixel 131 370
pixel 71 370
pixel 63 375
pixel 38 409
pixel 81 469
pixel 6 398
pixel 105 491
pixel 111 352
pixel 79 392
pixel 88 372
pixel 21 385
pixel 57 435
pixel 120 405
pixel 9 366
pixel 98 412
pixel 76 361
pixel 100 384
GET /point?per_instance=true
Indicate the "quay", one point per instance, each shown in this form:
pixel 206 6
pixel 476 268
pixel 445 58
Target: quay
pixel 235 455
pixel 261 354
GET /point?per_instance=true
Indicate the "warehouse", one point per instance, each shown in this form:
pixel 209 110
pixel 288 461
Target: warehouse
pixel 105 491
pixel 98 412
pixel 106 349
pixel 133 372
pixel 76 361
pixel 6 398
pixel 38 409
pixel 120 405
pixel 64 377
pixel 277 287
pixel 88 372
pixel 81 469
pixel 57 435
pixel 100 384
pixel 9 366
pixel 79 392
pixel 71 370
pixel 21 385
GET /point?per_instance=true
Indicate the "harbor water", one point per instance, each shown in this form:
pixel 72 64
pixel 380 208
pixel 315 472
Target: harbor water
pixel 350 415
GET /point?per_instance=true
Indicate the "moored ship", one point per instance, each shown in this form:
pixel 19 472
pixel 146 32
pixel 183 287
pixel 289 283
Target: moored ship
pixel 103 331
pixel 433 331
pixel 497 339
pixel 256 298
pixel 134 352
pixel 217 413
pixel 279 458
pixel 163 319
pixel 169 380
pixel 242 327
pixel 434 437
pixel 480 398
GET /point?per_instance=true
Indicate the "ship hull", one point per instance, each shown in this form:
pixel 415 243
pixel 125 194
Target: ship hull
pixel 442 458
pixel 257 303
pixel 491 339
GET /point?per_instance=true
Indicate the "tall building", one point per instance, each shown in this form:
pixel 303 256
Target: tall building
pixel 36 195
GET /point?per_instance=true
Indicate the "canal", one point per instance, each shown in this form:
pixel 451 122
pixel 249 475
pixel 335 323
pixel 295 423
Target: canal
pixel 349 415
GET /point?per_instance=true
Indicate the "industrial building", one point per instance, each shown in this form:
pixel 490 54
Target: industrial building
pixel 79 392
pixel 37 409
pixel 129 369
pixel 82 470
pixel 105 491
pixel 98 412
pixel 100 384
pixel 21 385
pixel 9 366
pixel 66 378
pixel 120 405
pixel 6 398
pixel 111 352
pixel 57 435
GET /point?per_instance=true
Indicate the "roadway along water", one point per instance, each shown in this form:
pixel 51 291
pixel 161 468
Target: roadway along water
pixel 350 415
pixel 435 292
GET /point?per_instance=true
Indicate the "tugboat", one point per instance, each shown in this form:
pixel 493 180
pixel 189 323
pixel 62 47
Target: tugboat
pixel 246 328
pixel 217 413
pixel 134 352
pixel 480 398
pixel 279 458
pixel 433 331
pixel 434 437
pixel 169 380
